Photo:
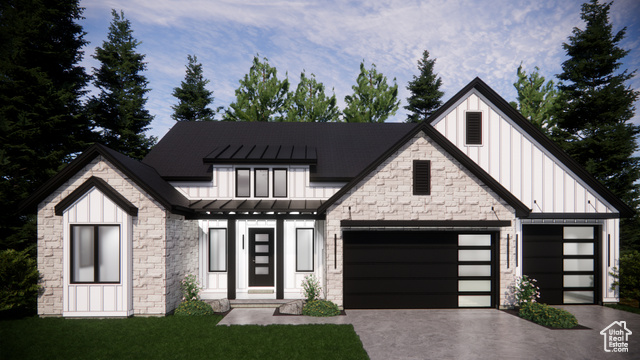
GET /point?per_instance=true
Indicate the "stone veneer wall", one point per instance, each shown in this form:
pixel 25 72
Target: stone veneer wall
pixel 182 256
pixel 387 194
pixel 149 245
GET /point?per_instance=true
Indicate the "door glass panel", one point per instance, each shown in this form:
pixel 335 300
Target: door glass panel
pixel 262 182
pixel 109 253
pixel 578 280
pixel 262 259
pixel 262 270
pixel 578 297
pixel 578 232
pixel 83 253
pixel 262 248
pixel 578 248
pixel 474 240
pixel 262 237
pixel 474 270
pixel 578 264
pixel 474 285
pixel 474 300
pixel 474 255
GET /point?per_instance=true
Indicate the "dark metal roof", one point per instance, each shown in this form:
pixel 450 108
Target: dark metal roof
pixel 262 154
pixel 336 151
pixel 253 205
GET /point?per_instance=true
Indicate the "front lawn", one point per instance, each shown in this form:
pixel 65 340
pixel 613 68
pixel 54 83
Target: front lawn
pixel 173 337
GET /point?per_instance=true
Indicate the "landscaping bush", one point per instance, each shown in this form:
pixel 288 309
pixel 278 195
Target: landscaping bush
pixel 311 288
pixel 190 288
pixel 320 308
pixel 546 315
pixel 18 281
pixel 525 290
pixel 194 308
pixel 628 275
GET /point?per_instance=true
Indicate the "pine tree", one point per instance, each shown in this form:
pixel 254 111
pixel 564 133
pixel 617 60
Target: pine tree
pixel 309 103
pixel 372 100
pixel 425 96
pixel 536 100
pixel 119 108
pixel 595 110
pixel 261 95
pixel 193 96
pixel 42 126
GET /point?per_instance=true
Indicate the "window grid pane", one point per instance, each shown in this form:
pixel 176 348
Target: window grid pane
pixel 262 182
pixel 243 182
pixel 109 253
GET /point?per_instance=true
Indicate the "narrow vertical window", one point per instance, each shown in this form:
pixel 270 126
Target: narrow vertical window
pixel 421 177
pixel 473 128
pixel 279 182
pixel 304 249
pixel 243 182
pixel 262 183
pixel 217 250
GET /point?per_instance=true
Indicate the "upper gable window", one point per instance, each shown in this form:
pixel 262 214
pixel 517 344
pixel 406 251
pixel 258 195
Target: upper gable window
pixel 473 127
pixel 421 177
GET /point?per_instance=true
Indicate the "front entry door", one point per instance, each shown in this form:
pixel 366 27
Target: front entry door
pixel 261 257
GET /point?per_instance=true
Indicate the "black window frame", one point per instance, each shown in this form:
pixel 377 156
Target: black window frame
pixel 473 128
pixel 313 250
pixel 238 188
pixel 96 254
pixel 226 251
pixel 255 182
pixel 286 182
pixel 421 177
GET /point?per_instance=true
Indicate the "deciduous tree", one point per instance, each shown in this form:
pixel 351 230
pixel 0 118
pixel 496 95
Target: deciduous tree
pixel 309 103
pixel 373 100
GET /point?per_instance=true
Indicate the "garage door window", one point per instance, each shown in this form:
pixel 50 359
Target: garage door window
pixel 474 270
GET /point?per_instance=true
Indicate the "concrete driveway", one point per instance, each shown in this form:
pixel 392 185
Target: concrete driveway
pixel 468 334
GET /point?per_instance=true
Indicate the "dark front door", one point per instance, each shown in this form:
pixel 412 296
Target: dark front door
pixel 261 257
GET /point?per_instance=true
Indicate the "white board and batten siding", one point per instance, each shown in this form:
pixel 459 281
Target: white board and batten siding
pixel 518 162
pixel 223 184
pixel 79 300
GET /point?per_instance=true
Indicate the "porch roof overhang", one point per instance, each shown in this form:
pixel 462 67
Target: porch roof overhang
pixel 260 206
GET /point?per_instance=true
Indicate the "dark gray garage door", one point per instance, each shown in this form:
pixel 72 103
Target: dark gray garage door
pixel 417 269
pixel 564 261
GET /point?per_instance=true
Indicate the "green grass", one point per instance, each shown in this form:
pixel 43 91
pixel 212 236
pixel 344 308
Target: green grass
pixel 173 337
pixel 624 308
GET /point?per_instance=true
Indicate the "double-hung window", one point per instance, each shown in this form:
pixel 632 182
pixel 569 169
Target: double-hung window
pixel 95 253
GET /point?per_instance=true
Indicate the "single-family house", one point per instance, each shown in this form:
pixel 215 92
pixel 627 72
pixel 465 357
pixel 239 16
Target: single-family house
pixel 441 214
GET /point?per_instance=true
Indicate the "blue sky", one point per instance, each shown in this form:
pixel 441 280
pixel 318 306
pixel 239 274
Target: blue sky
pixel 488 39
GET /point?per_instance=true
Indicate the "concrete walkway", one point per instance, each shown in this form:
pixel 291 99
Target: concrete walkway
pixel 466 334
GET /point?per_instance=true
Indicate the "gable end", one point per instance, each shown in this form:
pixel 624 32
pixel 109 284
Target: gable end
pixel 103 187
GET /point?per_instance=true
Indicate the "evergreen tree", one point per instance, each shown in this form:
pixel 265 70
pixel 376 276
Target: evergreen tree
pixel 261 95
pixel 42 126
pixel 595 110
pixel 425 91
pixel 309 103
pixel 193 97
pixel 373 100
pixel 119 108
pixel 536 100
